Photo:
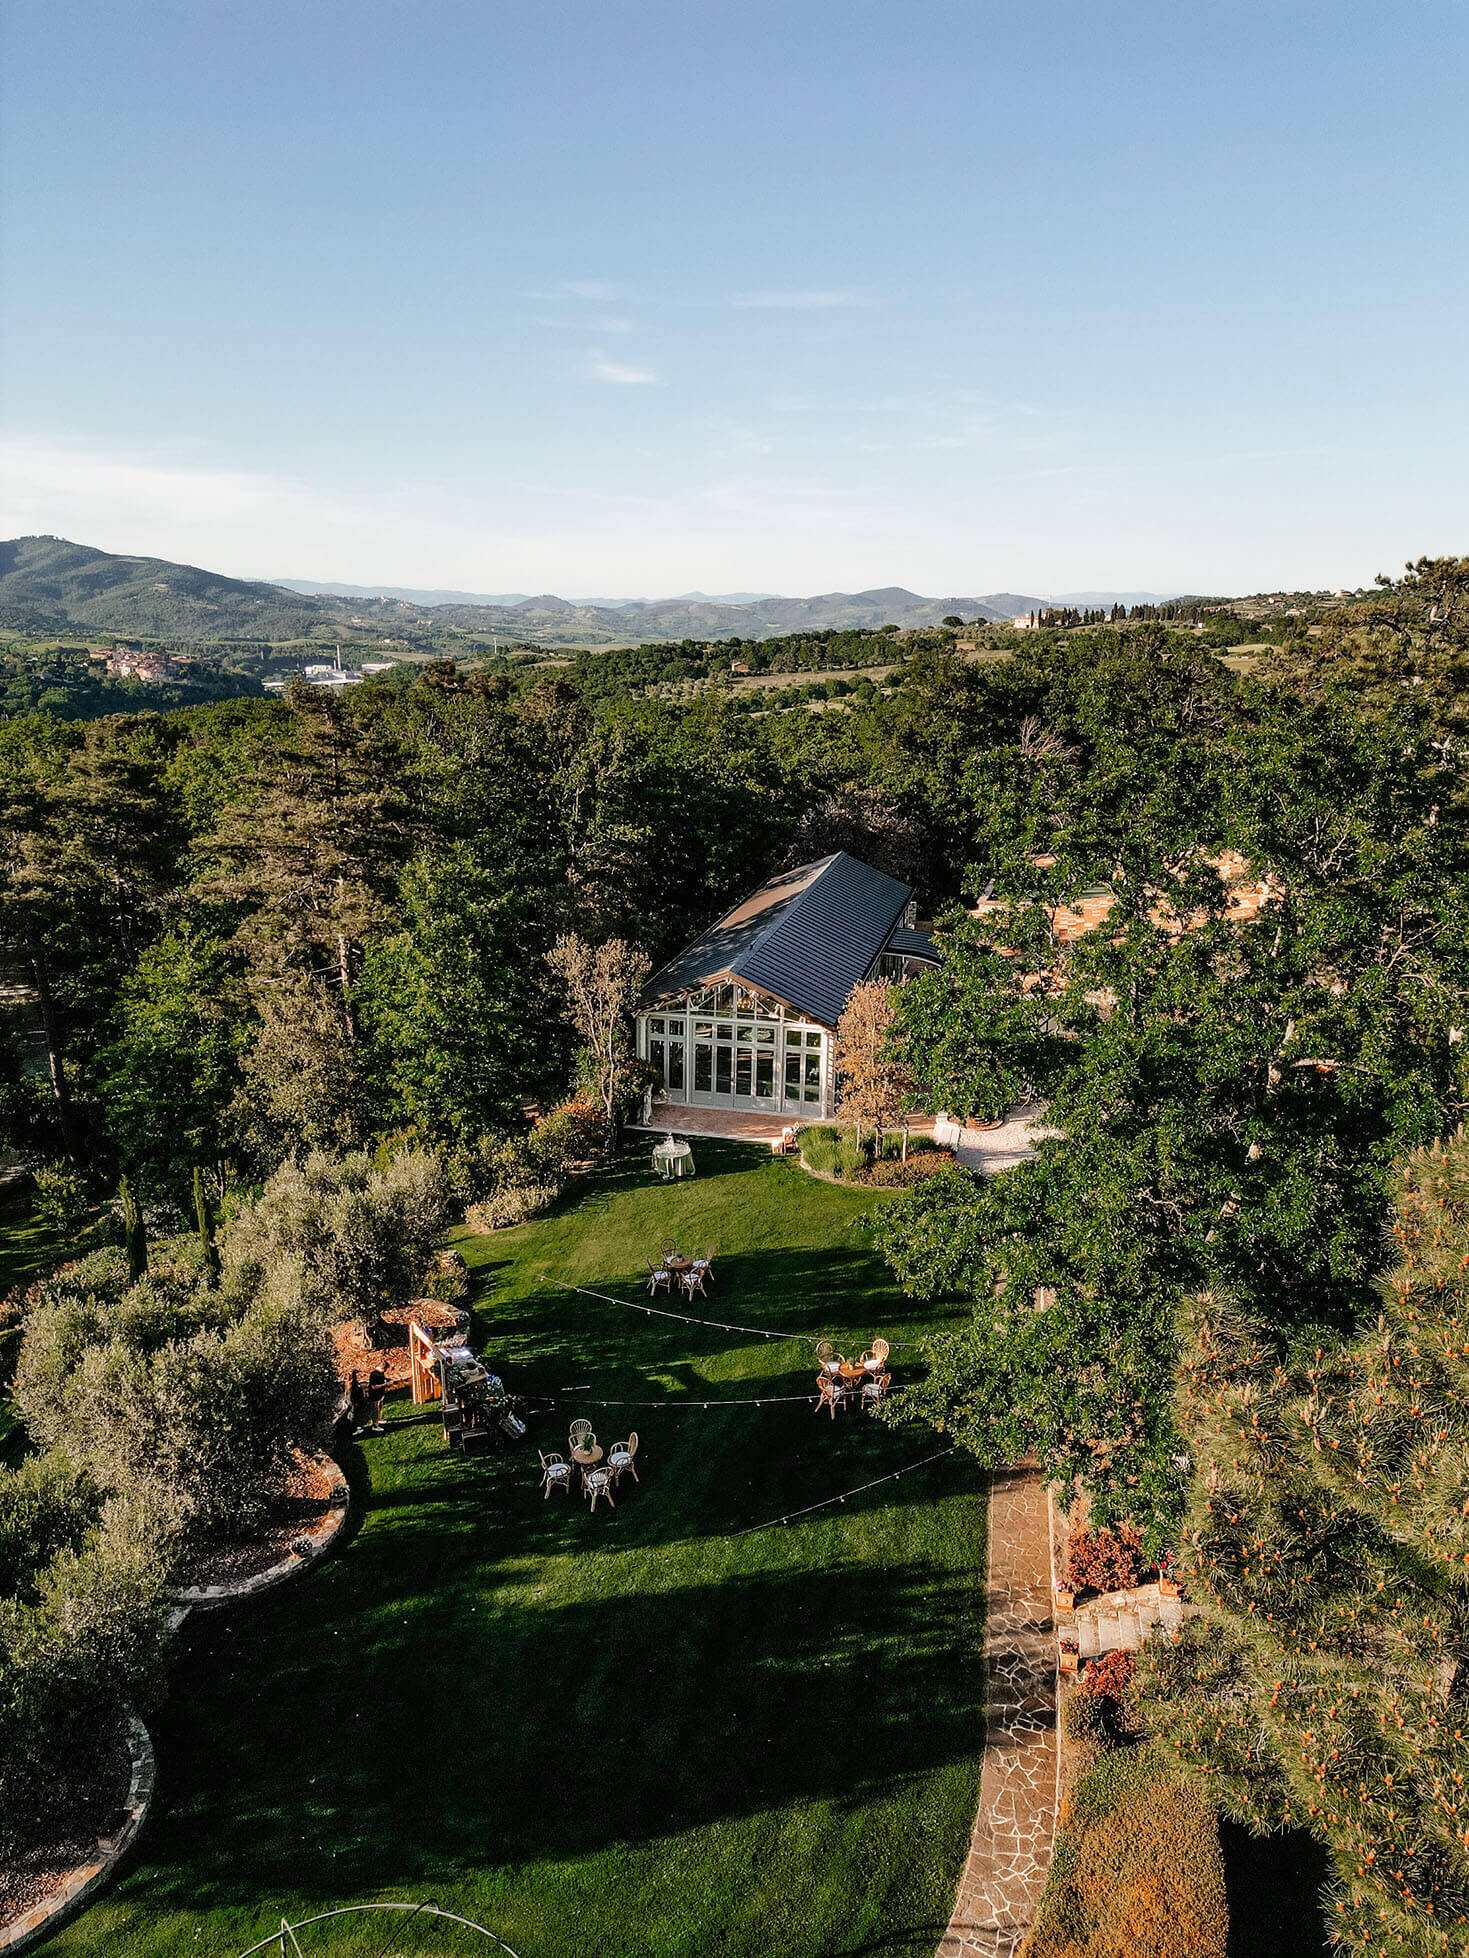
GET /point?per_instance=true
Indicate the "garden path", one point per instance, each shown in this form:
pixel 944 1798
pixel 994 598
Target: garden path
pixel 1010 1849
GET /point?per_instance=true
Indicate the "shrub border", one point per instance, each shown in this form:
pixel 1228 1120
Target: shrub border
pixel 88 1878
pixel 318 1540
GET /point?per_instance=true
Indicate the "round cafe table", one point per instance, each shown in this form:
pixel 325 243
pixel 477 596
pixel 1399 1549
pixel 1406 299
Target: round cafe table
pixel 852 1374
pixel 586 1457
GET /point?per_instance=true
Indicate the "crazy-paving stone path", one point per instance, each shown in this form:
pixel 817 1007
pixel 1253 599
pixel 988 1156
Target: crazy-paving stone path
pixel 1010 1850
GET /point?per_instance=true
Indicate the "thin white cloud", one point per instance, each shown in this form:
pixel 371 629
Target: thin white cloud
pixel 598 289
pixel 619 372
pixel 820 300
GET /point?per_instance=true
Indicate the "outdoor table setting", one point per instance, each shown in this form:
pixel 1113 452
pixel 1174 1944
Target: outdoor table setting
pixel 673 1159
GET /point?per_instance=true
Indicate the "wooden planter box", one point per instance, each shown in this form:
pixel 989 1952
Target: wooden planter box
pixel 1065 1599
pixel 1070 1659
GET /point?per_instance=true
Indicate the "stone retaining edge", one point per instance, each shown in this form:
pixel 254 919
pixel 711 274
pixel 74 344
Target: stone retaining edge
pixel 88 1878
pixel 319 1540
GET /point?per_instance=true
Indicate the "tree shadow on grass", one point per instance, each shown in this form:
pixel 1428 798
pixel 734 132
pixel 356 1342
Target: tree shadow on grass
pixel 1274 1885
pixel 407 1743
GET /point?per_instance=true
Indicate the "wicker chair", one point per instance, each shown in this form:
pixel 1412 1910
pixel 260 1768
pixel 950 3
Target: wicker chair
pixel 620 1458
pixel 659 1278
pixel 596 1483
pixel 696 1279
pixel 827 1357
pixel 875 1389
pixel 831 1393
pixel 582 1434
pixel 875 1358
pixel 555 1473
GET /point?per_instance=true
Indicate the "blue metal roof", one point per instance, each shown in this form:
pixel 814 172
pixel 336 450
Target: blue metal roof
pixel 913 944
pixel 807 937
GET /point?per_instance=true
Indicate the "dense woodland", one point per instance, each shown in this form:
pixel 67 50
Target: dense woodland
pixel 240 933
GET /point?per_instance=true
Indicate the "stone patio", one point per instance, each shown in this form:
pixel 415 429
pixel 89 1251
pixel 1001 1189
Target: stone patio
pixel 1010 1850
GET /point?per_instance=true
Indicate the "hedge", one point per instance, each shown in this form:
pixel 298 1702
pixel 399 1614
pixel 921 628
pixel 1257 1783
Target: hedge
pixel 1137 1872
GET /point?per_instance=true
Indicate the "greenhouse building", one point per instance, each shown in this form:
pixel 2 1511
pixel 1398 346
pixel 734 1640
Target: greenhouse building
pixel 745 1017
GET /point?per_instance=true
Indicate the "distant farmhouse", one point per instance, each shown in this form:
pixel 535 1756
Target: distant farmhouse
pixel 745 1017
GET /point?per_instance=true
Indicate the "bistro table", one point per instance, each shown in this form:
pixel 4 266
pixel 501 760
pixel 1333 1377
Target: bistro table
pixel 851 1374
pixel 586 1458
pixel 672 1158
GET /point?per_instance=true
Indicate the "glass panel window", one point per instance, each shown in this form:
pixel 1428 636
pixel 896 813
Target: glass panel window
pixel 675 1064
pixel 765 1077
pixel 703 1068
pixel 793 1077
pixel 703 1030
pixel 656 1025
pixel 764 1036
pixel 655 1054
pixel 721 1070
pixel 742 1071
pixel 813 1077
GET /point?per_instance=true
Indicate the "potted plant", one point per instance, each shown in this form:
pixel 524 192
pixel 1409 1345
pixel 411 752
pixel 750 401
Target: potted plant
pixel 1169 1584
pixel 1070 1655
pixel 1065 1598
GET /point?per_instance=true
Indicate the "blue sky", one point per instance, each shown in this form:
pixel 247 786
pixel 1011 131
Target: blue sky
pixel 630 298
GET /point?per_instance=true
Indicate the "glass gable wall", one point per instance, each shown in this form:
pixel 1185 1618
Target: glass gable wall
pixel 726 1047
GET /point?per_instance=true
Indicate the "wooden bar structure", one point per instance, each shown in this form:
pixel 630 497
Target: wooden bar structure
pixel 423 1361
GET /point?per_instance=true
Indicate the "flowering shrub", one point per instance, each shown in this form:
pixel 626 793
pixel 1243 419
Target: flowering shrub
pixel 573 1132
pixel 1105 1560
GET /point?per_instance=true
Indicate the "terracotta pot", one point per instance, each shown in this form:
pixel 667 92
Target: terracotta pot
pixel 1169 1587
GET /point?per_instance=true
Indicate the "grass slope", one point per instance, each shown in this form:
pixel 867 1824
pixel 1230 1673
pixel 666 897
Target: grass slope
pixel 628 1732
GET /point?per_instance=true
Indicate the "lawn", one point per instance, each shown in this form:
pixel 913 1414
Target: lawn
pixel 630 1732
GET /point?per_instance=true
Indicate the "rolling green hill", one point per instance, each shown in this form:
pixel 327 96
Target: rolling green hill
pixel 48 584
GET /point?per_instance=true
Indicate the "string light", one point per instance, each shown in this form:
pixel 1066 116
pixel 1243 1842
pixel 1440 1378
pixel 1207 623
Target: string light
pixel 676 1402
pixel 860 1490
pixel 684 1318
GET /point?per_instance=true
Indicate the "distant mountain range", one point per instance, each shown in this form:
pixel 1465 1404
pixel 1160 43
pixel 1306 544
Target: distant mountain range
pixel 413 595
pixel 49 585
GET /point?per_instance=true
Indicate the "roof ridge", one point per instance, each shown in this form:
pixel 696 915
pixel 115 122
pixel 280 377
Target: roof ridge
pixel 783 911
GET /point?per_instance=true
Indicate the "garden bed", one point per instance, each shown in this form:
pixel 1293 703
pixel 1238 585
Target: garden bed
pixel 50 1881
pixel 302 1528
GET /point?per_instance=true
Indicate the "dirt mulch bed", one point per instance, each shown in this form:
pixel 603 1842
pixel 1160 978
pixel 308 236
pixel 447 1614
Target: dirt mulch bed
pixel 314 1485
pixel 38 1873
pixel 356 1355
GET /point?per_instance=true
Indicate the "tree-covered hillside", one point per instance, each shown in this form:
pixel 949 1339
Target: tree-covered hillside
pixel 47 584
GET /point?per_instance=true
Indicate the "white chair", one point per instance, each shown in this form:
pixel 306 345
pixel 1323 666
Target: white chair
pixel 659 1279
pixel 620 1458
pixel 696 1279
pixel 827 1357
pixel 875 1389
pixel 597 1483
pixel 555 1473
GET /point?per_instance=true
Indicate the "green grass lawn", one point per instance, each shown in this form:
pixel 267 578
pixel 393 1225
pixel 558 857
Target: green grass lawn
pixel 634 1732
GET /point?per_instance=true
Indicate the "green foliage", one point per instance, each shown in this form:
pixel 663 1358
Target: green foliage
pixel 166 1079
pixel 1229 1095
pixel 60 1196
pixel 81 1642
pixel 1327 1539
pixel 168 1397
pixel 338 1237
